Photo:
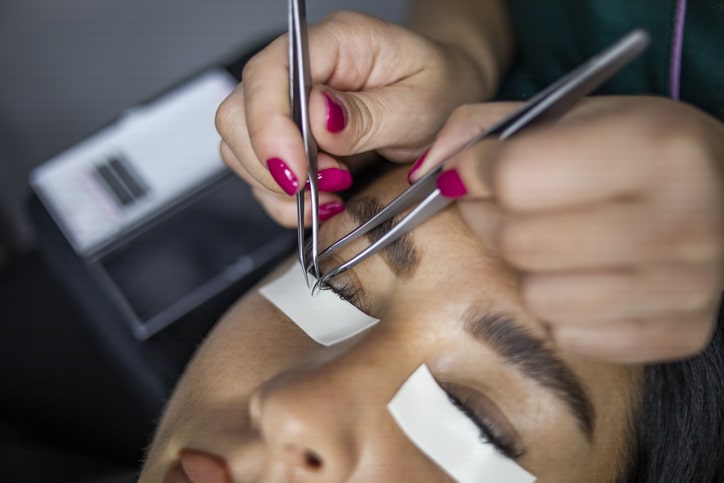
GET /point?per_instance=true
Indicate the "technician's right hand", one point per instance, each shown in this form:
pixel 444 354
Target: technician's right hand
pixel 377 87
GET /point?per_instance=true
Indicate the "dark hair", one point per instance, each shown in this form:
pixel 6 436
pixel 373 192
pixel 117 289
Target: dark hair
pixel 677 433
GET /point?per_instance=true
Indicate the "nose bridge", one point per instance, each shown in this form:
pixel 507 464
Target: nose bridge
pixel 316 419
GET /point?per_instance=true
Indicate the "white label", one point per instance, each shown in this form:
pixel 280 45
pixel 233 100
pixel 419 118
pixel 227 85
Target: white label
pixel 323 316
pixel 424 412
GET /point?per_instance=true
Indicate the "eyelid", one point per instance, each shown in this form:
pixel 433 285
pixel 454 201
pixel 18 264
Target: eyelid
pixel 347 286
pixel 350 290
pixel 347 292
pixel 494 429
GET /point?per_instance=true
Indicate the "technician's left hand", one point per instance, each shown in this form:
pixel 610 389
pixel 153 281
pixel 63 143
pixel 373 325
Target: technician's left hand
pixel 614 217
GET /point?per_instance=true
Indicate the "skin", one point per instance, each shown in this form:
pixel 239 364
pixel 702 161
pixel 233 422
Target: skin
pixel 662 274
pixel 628 223
pixel 274 406
pixel 426 75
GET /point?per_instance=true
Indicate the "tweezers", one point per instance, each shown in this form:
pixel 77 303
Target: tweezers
pixel 548 104
pixel 300 86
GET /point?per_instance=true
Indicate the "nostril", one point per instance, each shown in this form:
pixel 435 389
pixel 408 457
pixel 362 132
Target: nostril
pixel 304 458
pixel 312 460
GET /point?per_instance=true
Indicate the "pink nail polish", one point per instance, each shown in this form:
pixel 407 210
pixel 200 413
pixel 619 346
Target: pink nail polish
pixel 417 165
pixel 332 179
pixel 284 176
pixel 335 114
pixel 451 185
pixel 328 210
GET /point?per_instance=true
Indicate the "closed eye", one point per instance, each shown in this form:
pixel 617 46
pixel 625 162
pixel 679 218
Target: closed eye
pixel 490 432
pixel 347 292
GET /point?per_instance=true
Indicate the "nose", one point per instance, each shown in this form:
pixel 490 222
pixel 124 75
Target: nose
pixel 305 429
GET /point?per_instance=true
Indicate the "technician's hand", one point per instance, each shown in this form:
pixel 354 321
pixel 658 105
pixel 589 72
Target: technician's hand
pixel 377 87
pixel 614 217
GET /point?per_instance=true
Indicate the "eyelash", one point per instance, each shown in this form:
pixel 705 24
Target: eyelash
pixel 488 432
pixel 348 293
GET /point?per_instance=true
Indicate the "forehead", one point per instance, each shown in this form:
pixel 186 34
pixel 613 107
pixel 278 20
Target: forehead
pixel 448 252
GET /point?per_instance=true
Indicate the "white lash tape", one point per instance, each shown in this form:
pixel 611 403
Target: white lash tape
pixel 424 412
pixel 324 316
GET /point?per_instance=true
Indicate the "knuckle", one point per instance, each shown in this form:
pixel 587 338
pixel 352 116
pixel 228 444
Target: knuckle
pixel 227 157
pixel 515 245
pixel 696 244
pixel 363 125
pixel 462 113
pixel 693 300
pixel 504 180
pixel 697 338
pixel 341 16
pixel 256 63
pixel 225 114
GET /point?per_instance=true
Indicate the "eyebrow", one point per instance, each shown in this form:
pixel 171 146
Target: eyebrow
pixel 400 255
pixel 534 360
pixel 508 338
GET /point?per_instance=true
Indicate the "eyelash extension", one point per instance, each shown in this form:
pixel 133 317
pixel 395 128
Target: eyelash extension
pixel 346 292
pixel 488 433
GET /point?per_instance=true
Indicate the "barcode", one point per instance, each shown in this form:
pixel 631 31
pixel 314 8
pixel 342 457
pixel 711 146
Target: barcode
pixel 121 181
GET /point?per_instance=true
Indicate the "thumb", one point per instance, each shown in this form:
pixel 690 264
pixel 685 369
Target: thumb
pixel 389 119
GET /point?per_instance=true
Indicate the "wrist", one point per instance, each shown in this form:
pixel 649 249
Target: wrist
pixel 472 79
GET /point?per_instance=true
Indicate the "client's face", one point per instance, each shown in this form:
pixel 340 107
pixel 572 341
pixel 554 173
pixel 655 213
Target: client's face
pixel 273 405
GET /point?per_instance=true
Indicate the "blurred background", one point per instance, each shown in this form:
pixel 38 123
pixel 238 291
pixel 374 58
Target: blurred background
pixel 79 397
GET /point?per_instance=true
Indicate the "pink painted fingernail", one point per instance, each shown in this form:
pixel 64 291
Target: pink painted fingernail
pixel 332 179
pixel 335 114
pixel 451 185
pixel 328 210
pixel 417 165
pixel 284 176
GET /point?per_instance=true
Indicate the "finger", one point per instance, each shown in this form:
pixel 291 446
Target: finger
pixel 391 94
pixel 563 165
pixel 598 298
pixel 639 340
pixel 467 177
pixel 283 210
pixel 332 176
pixel 483 219
pixel 233 163
pixel 280 208
pixel 463 125
pixel 231 122
pixel 378 119
pixel 618 234
pixel 342 57
pixel 274 136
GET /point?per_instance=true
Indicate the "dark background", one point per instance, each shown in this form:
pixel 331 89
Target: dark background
pixel 74 398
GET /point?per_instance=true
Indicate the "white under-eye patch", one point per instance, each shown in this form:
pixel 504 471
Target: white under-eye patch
pixel 424 412
pixel 323 316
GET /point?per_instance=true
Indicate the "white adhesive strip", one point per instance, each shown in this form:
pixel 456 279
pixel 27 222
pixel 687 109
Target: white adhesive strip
pixel 424 412
pixel 324 317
